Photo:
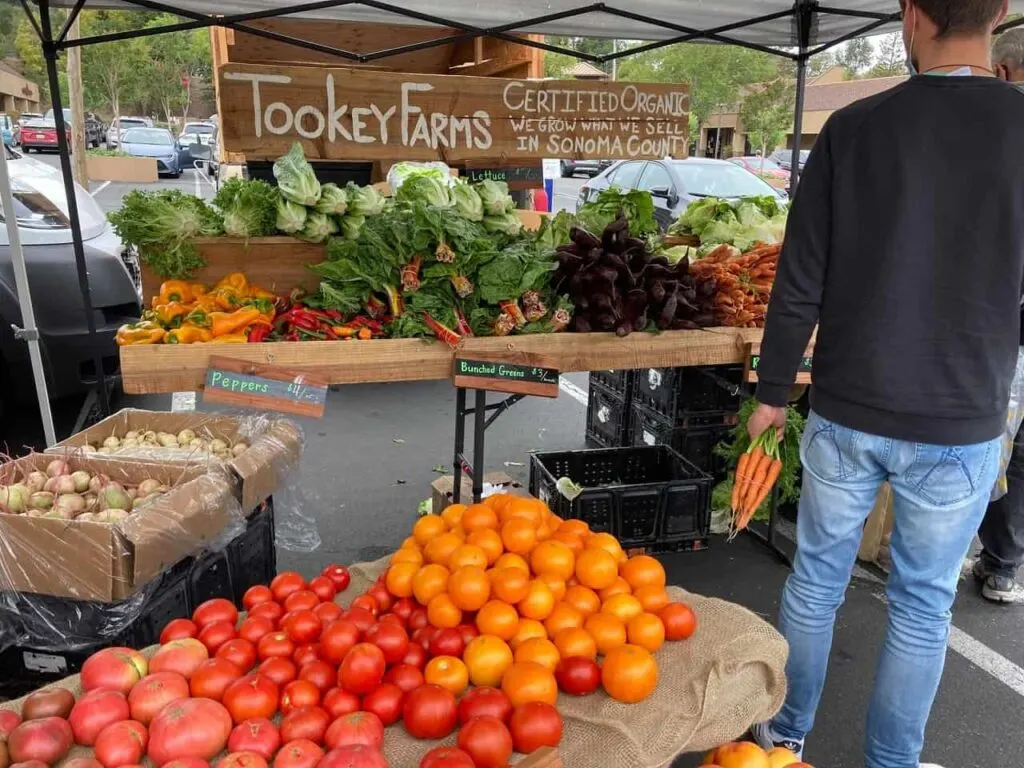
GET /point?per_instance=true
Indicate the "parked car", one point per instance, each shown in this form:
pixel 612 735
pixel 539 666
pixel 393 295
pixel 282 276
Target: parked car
pixel 40 134
pixel 784 157
pixel 766 168
pixel 674 184
pixel 120 125
pixel 7 127
pixel 153 142
pixel 40 206
pixel 196 133
pixel 23 119
pixel 589 167
pixel 94 127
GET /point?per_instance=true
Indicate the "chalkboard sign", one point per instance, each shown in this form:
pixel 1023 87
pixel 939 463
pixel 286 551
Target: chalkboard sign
pixel 753 362
pixel 264 387
pixel 516 176
pixel 527 375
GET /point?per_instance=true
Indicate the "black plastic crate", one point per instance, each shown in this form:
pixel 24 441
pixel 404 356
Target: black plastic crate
pixel 607 418
pixel 646 497
pixel 676 393
pixel 695 442
pixel 619 382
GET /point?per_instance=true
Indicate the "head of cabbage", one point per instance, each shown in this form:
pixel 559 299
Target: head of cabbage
pixel 467 202
pixel 333 200
pixel 291 217
pixel 295 177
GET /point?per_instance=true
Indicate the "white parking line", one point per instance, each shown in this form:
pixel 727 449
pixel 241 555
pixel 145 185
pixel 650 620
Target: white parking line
pixel 100 188
pixel 573 391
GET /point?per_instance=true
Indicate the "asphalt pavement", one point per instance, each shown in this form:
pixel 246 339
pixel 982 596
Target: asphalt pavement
pixel 370 461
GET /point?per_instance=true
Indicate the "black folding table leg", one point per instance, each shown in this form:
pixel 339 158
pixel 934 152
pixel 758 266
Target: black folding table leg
pixel 460 443
pixel 479 429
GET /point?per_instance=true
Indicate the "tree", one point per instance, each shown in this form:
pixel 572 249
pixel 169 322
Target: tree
pixel 891 57
pixel 857 55
pixel 556 64
pixel 767 114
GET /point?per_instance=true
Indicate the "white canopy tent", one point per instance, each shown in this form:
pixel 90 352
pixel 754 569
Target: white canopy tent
pixel 793 29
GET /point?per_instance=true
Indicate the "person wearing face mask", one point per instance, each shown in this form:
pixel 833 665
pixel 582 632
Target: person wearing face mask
pixel 1002 532
pixel 907 253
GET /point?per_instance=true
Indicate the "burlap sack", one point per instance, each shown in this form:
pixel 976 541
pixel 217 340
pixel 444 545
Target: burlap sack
pixel 729 675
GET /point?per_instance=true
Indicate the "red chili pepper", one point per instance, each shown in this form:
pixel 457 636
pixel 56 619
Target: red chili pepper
pixel 260 332
pixel 442 332
pixel 291 336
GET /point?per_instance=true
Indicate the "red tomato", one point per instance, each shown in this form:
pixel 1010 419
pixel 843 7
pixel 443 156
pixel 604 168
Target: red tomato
pixel 380 595
pixel 282 671
pixel 181 656
pixel 430 712
pixel 95 711
pixel 405 676
pixel 242 760
pixel 239 652
pixel 196 728
pixel 415 656
pixel 361 617
pixel 468 632
pixel 9 719
pixel 338 703
pixel 319 673
pixel 186 762
pixel 339 576
pixel 323 588
pixel 116 669
pixel 254 596
pixel 301 753
pixel 302 626
pixel 177 629
pixel 358 728
pixel 578 675
pixel 298 694
pixel 153 692
pixel 483 700
pixel 391 639
pixel 257 735
pixel 447 642
pixel 328 612
pixel 286 583
pixel 122 743
pixel 487 741
pixel 251 696
pixel 271 611
pixel 535 725
pixel 446 757
pixel 305 654
pixel 337 639
pixel 303 600
pixel 418 619
pixel 212 678
pixel 305 723
pixel 214 635
pixel 362 670
pixel 46 740
pixel 390 618
pixel 385 702
pixel 255 627
pixel 212 611
pixel 354 756
pixel 403 608
pixel 423 636
pixel 275 644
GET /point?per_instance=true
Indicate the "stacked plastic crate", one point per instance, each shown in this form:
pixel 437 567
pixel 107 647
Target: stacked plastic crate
pixel 608 408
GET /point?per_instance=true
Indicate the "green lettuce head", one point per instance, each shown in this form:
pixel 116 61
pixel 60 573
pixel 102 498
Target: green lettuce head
pixel 318 227
pixel 364 201
pixel 296 179
pixel 467 202
pixel 424 188
pixel 350 226
pixel 291 217
pixel 333 200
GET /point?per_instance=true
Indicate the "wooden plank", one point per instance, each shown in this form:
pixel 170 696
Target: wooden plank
pixel 517 374
pixel 264 387
pixel 149 369
pixel 752 359
pixel 511 68
pixel 348 114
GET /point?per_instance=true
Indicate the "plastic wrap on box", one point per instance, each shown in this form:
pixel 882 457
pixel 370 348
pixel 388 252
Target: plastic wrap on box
pixel 82 552
pixel 262 449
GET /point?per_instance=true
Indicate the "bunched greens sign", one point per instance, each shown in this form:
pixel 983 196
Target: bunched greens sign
pixel 533 377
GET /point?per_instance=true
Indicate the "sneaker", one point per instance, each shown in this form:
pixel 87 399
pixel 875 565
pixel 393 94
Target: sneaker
pixel 766 739
pixel 996 588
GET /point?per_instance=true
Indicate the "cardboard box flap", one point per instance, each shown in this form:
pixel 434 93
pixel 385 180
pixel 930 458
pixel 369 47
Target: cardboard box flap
pixel 272 457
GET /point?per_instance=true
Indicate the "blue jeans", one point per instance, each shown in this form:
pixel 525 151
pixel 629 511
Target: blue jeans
pixel 940 495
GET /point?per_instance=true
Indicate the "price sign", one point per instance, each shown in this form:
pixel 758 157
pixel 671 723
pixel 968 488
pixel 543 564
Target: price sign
pixel 527 375
pixel 264 387
pixel 753 361
pixel 516 176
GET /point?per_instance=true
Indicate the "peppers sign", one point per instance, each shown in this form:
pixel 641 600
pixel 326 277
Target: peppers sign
pixel 264 387
pixel 347 114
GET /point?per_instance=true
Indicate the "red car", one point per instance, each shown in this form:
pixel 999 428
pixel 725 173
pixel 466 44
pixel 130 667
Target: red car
pixel 771 171
pixel 40 135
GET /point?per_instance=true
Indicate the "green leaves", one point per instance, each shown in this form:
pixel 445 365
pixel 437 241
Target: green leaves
pixel 249 207
pixel 638 206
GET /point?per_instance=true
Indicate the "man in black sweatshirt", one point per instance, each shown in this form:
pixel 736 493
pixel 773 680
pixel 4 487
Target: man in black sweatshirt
pixel 905 246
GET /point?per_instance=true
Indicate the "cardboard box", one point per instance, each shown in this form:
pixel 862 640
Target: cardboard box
pixel 442 489
pixel 96 561
pixel 273 452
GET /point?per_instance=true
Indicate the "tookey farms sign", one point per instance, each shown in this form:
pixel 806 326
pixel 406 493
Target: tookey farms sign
pixel 346 114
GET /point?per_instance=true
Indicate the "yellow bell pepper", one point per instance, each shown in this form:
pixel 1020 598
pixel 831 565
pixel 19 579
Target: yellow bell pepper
pixel 199 317
pixel 231 338
pixel 144 332
pixel 265 306
pixel 237 281
pixel 188 334
pixel 198 289
pixel 255 292
pixel 175 290
pixel 226 297
pixel 172 314
pixel 224 323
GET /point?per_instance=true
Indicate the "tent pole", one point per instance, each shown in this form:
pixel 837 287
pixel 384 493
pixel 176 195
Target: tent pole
pixel 804 18
pixel 50 55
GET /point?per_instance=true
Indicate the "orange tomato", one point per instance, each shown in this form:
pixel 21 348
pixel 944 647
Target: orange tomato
pixel 555 584
pixel 574 641
pixel 489 541
pixel 427 527
pixel 571 540
pixel 469 588
pixel 467 555
pixel 679 620
pixel 499 619
pixel 540 650
pixel 653 599
pixel 543 532
pixel 647 631
pixel 608 631
pixel 519 536
pixel 459 532
pixel 528 629
pixel 604 541
pixel 496 501
pixel 583 599
pixel 553 557
pixel 629 674
pixel 439 550
pixel 554 521
pixel 478 516
pixel 408 555
pixel 574 527
pixel 562 615
pixel 399 579
pixel 448 672
pixel 487 657
pixel 409 541
pixel 510 584
pixel 452 514
pixel 538 603
pixel 528 681
pixel 596 569
pixel 443 613
pixel 429 582
pixel 512 560
pixel 643 571
pixel 625 607
pixel 620 587
pixel 533 510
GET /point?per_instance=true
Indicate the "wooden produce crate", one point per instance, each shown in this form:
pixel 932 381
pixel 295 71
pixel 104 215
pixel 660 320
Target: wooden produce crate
pixel 671 241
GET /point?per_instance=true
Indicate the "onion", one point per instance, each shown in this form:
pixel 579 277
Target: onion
pixel 35 481
pixel 40 500
pixel 132 434
pixel 132 493
pixel 56 467
pixel 35 513
pixel 148 486
pixel 112 515
pixel 69 505
pixel 167 440
pixel 63 484
pixel 98 483
pixel 239 448
pixel 112 442
pixel 86 517
pixel 88 448
pixel 81 479
pixel 217 445
pixel 53 514
pixel 14 498
pixel 114 497
pixel 186 436
pixel 91 500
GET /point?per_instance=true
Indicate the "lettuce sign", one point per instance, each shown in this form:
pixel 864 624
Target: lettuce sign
pixel 348 114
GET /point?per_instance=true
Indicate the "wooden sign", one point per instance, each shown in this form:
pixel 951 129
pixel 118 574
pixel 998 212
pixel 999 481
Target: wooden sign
pixel 532 376
pixel 516 176
pixel 346 114
pixel 264 387
pixel 752 360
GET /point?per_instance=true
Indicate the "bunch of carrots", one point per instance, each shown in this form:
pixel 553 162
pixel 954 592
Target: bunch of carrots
pixel 757 471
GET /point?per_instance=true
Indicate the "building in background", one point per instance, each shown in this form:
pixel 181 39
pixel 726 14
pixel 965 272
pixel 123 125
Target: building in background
pixel 17 94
